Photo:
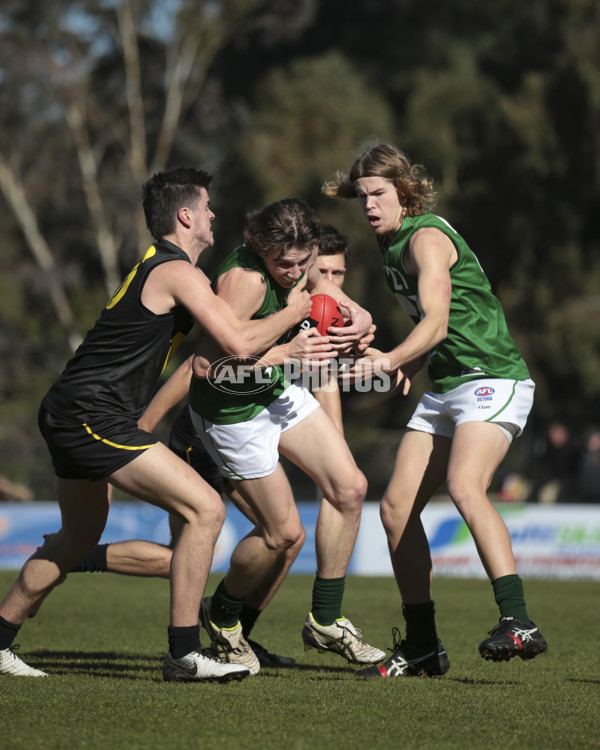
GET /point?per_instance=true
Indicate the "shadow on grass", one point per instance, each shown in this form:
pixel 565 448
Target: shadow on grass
pixel 96 663
pixel 141 666
pixel 584 680
pixel 273 671
pixel 132 666
pixel 475 681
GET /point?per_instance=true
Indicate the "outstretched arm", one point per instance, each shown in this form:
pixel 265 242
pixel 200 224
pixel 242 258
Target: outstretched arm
pixel 245 290
pixel 431 253
pixel 176 283
pixel 430 257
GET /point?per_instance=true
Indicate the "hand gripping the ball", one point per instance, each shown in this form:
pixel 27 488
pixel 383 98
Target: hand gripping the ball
pixel 324 313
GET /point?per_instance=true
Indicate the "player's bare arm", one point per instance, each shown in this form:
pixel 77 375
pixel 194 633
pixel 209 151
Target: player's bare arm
pixel 374 360
pixel 177 283
pixel 306 347
pixel 244 290
pixel 168 396
pixel 431 253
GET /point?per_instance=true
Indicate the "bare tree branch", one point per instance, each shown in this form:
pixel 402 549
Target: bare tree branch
pixel 14 192
pixel 133 88
pixel 175 81
pixel 88 164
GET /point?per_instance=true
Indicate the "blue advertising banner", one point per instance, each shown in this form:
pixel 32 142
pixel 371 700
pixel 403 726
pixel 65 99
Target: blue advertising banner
pixel 22 527
pixel 549 541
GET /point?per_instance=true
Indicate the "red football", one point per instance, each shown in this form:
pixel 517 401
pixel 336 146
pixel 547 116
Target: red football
pixel 325 312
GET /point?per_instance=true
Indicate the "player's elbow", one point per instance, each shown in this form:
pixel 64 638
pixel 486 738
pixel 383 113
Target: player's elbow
pixel 439 330
pixel 442 331
pixel 241 346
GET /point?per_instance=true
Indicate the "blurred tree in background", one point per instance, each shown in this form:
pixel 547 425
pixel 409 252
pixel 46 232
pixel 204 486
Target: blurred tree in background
pixel 500 101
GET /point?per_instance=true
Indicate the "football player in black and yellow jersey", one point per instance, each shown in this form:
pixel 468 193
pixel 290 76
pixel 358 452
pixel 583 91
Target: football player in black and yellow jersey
pixel 139 557
pixel 89 419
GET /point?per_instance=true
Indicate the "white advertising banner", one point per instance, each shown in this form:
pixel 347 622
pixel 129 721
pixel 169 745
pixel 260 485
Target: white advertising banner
pixel 549 541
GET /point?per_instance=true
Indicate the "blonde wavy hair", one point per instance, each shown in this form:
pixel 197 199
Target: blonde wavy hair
pixel 414 188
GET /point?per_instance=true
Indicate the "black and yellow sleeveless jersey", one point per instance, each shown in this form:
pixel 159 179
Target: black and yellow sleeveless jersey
pixel 117 368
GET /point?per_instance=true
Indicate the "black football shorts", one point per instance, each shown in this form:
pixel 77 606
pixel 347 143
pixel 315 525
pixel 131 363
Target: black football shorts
pixel 94 449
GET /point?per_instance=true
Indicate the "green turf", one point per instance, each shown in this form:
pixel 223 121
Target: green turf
pixel 102 639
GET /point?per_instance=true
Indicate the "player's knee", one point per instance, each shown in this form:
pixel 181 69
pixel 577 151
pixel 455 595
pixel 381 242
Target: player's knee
pixel 285 538
pixel 298 544
pixel 294 550
pixel 77 542
pixel 467 493
pixel 213 519
pixel 350 499
pixel 463 491
pixel 394 513
pixel 362 486
pixel 386 512
pixel 206 510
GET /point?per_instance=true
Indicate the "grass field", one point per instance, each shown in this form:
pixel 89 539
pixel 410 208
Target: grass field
pixel 102 638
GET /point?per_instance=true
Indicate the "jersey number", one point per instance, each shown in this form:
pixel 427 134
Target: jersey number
pixel 409 303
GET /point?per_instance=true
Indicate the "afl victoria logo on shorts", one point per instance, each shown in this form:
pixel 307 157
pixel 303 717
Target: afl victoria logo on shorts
pixel 484 393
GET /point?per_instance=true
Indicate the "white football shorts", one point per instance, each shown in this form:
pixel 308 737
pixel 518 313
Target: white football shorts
pixel 506 403
pixel 248 450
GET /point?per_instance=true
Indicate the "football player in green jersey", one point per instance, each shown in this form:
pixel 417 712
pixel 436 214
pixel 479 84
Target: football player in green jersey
pixel 480 398
pixel 144 558
pixel 247 423
pixel 89 419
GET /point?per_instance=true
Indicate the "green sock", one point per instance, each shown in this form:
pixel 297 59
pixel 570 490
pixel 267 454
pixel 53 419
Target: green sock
pixel 327 599
pixel 225 608
pixel 420 623
pixel 508 593
pixel 248 618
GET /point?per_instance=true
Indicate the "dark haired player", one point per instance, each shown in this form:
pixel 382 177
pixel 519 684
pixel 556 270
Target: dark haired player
pixel 333 253
pixel 143 558
pixel 89 419
pixel 246 432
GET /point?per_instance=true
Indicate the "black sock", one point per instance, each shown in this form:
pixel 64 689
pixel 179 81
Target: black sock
pixel 248 618
pixel 93 562
pixel 8 633
pixel 420 623
pixel 508 593
pixel 327 597
pixel 225 608
pixel 183 640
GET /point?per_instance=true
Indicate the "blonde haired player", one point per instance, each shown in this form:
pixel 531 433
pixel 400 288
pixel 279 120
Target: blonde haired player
pixel 462 429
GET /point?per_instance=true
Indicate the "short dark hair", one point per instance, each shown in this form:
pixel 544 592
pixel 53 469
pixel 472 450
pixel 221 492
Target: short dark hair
pixel 166 192
pixel 333 242
pixel 277 228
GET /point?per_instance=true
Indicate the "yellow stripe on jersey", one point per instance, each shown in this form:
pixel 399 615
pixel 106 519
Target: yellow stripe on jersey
pixel 175 341
pixel 129 278
pixel 116 445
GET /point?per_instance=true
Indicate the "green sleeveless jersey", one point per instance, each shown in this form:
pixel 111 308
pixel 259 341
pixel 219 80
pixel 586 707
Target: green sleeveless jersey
pixel 478 344
pixel 233 394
